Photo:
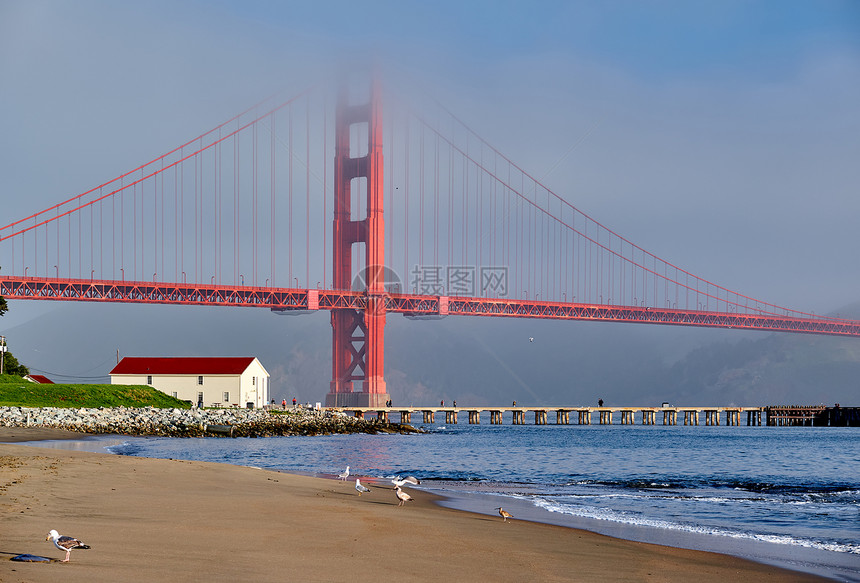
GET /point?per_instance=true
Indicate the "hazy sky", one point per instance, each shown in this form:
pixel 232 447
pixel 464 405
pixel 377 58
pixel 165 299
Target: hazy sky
pixel 723 136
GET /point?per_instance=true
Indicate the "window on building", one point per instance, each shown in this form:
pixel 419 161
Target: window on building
pixel 254 381
pixel 149 379
pixel 226 396
pixel 174 394
pixel 200 398
pixel 200 380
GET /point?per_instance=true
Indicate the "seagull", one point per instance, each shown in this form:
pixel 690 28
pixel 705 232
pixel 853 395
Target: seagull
pixel 65 543
pixel 402 496
pixel 359 488
pixel 531 338
pixel 344 474
pixel 504 514
pixel 407 480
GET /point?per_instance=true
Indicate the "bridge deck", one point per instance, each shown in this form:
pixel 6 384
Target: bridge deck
pixel 300 300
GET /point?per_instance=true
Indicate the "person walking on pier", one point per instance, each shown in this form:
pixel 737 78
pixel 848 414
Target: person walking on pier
pixel 600 402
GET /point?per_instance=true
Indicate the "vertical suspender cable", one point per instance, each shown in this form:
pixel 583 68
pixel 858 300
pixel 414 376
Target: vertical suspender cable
pixel 436 202
pixel 101 239
pixel 479 208
pixel 406 205
pixel 290 183
pixel 58 240
pixel 308 193
pixel 450 205
pixel 252 276
pixel 272 191
pixel 466 205
pixel 219 211
pixel 421 200
pixel 236 209
pixel 133 232
pixel 325 189
pixel 388 156
pixel 162 220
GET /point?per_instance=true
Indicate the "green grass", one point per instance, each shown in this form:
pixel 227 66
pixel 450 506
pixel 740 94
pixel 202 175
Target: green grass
pixel 17 392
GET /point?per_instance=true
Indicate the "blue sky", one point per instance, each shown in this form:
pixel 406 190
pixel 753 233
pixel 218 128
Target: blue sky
pixel 663 38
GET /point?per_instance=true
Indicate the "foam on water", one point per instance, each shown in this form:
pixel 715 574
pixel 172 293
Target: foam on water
pixel 627 518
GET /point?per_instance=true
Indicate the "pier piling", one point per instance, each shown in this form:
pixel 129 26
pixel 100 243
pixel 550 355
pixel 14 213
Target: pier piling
pixel 756 416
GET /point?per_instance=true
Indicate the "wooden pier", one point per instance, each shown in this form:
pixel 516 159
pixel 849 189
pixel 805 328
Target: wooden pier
pixel 813 416
pixel 731 416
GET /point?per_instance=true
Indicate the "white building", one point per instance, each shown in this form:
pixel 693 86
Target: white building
pixel 214 382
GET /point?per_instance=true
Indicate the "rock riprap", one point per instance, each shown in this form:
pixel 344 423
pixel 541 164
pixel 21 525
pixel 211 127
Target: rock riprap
pixel 196 422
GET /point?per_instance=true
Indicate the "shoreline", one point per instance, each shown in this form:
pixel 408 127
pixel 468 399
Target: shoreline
pixel 104 498
pixel 799 559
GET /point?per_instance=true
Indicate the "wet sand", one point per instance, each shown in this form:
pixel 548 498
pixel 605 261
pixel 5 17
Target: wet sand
pixel 169 520
pixel 19 434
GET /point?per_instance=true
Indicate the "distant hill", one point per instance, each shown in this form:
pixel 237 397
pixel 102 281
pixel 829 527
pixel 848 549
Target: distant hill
pixel 777 369
pixel 472 360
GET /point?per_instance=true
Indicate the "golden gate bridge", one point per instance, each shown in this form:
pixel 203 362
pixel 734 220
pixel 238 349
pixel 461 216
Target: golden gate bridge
pixel 332 202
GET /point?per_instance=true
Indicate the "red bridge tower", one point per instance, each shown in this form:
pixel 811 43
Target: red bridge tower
pixel 358 336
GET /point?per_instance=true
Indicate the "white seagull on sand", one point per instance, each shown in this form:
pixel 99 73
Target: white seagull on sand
pixel 65 543
pixel 398 481
pixel 344 474
pixel 402 496
pixel 359 488
pixel 504 514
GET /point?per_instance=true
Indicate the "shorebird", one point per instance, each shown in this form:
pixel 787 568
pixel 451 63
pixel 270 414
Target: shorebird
pixel 398 481
pixel 504 514
pixel 402 496
pixel 344 474
pixel 359 488
pixel 65 543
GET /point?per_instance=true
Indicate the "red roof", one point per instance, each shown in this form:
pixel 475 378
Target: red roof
pixel 40 379
pixel 192 365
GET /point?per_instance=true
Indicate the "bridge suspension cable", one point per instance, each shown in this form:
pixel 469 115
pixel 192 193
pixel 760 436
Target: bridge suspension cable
pixel 250 203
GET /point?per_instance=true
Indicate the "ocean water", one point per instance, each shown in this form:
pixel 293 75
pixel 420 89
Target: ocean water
pixel 783 495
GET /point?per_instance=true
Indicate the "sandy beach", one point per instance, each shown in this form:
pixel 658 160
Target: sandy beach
pixel 170 520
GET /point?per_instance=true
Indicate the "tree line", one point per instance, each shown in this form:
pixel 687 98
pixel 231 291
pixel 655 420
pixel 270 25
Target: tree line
pixel 10 363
